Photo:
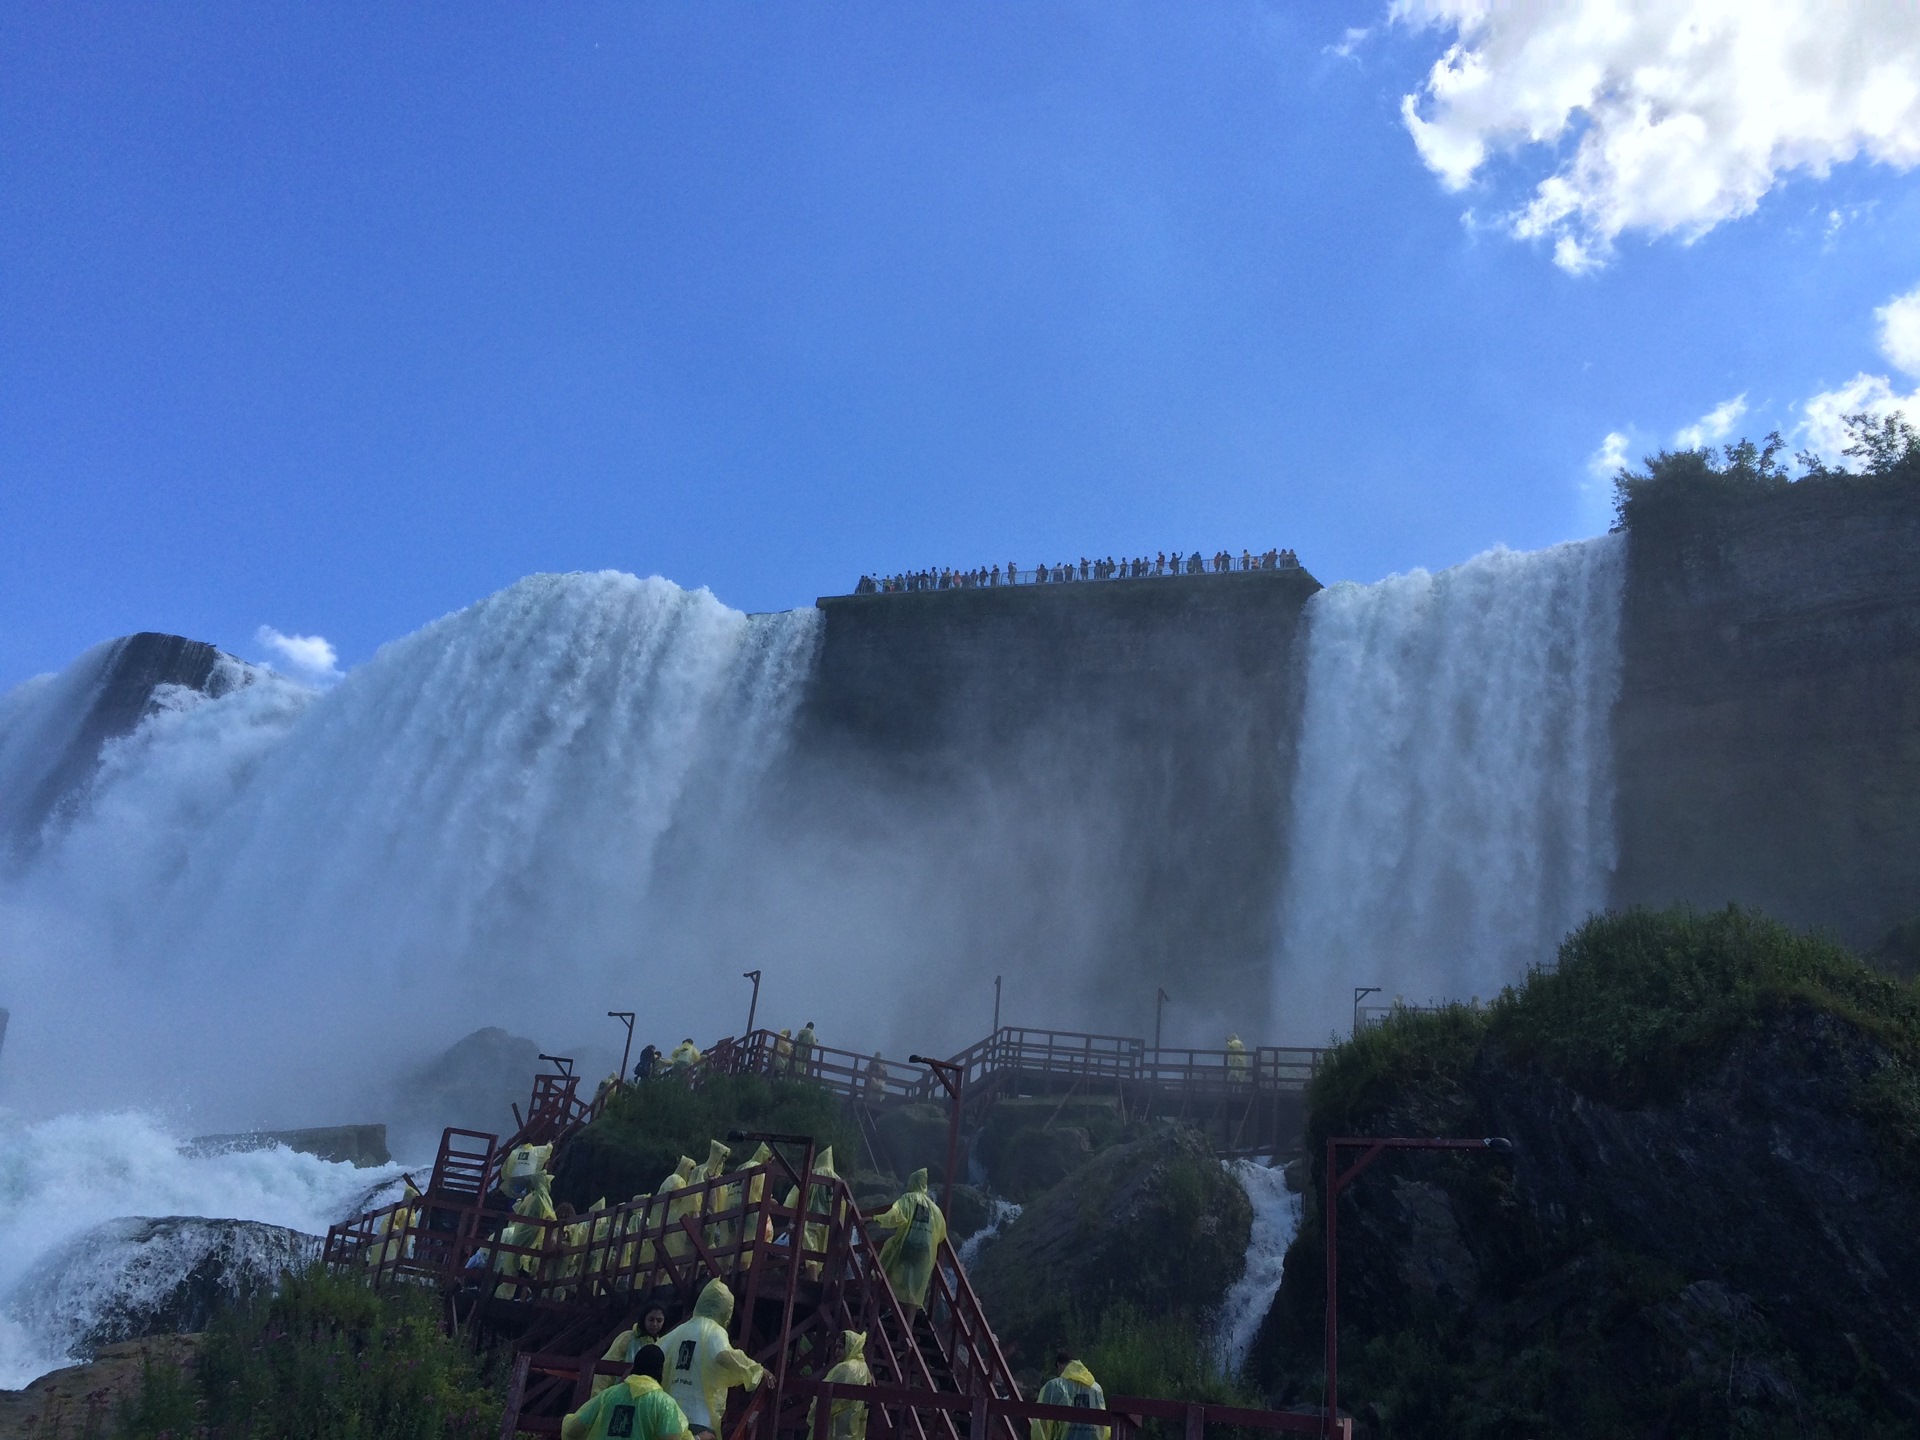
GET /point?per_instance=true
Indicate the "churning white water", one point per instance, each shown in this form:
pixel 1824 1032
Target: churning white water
pixel 1453 809
pixel 1276 1216
pixel 62 1177
pixel 264 892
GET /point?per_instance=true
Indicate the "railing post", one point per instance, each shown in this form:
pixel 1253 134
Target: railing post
pixel 1196 1422
pixel 977 1423
pixel 516 1392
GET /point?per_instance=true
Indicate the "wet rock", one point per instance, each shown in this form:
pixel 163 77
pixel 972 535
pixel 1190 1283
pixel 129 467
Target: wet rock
pixel 1155 1223
pixel 914 1137
pixel 137 1276
pixel 362 1146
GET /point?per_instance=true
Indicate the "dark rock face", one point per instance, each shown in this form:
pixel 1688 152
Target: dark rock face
pixel 473 1085
pixel 102 696
pixel 134 1277
pixel 361 1146
pixel 1029 1145
pixel 1747 1255
pixel 1767 737
pixel 914 1137
pixel 1156 1223
pixel 1121 751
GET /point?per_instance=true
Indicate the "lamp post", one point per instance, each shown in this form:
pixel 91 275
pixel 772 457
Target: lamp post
pixel 954 1079
pixel 626 1018
pixel 1371 1149
pixel 754 1006
pixel 1360 992
pixel 1159 1003
pixel 996 1004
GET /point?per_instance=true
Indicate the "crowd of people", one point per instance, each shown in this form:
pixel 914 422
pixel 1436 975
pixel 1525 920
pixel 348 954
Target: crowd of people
pixel 1139 567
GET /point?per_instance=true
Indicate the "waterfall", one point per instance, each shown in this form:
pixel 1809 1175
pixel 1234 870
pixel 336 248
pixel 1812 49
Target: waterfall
pixel 263 890
pixel 1452 815
pixel 1276 1216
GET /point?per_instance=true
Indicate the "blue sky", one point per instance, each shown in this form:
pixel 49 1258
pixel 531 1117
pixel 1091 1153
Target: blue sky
pixel 337 318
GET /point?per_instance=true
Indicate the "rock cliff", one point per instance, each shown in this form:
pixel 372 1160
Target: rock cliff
pixel 1705 1228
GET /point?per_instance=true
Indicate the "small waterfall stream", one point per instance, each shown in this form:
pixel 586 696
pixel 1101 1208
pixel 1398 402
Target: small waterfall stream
pixel 1276 1216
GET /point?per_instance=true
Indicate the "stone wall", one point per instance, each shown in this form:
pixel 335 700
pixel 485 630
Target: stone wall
pixel 1767 737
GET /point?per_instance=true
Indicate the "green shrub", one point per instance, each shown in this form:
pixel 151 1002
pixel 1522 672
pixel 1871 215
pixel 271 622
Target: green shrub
pixel 1168 1356
pixel 1643 1001
pixel 632 1147
pixel 326 1358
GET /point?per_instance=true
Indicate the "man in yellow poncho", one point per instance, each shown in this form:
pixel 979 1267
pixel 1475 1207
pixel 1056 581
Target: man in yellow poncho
pixel 849 1419
pixel 635 1406
pixel 918 1228
pixel 684 1056
pixel 522 1164
pixel 702 1365
pixel 1072 1384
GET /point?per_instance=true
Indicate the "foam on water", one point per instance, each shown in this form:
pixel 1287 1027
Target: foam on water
pixel 1276 1217
pixel 60 1178
pixel 1453 808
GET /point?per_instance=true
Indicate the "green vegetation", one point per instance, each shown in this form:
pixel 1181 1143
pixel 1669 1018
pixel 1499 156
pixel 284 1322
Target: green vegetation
pixel 1131 1352
pixel 1882 450
pixel 324 1359
pixel 631 1148
pixel 1558 1320
pixel 1642 1002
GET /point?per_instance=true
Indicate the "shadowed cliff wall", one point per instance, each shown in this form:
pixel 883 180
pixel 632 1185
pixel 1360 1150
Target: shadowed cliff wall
pixel 1768 730
pixel 1134 738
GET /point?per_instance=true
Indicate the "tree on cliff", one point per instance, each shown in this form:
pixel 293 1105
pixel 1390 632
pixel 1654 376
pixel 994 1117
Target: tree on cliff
pixel 1882 448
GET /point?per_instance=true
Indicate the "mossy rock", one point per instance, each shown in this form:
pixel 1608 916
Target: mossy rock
pixel 1029 1145
pixel 1156 1224
pixel 914 1137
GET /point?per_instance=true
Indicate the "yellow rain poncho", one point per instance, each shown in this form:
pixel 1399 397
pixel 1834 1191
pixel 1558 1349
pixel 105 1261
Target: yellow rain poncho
pixel 684 1054
pixel 849 1420
pixel 523 1163
pixel 714 1165
pixel 635 1406
pixel 1073 1386
pixel 702 1365
pixel 815 1235
pixel 392 1231
pixel 536 1204
pixel 1237 1072
pixel 918 1228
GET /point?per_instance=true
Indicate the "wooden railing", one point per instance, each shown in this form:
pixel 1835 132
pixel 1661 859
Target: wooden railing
pixel 1015 1051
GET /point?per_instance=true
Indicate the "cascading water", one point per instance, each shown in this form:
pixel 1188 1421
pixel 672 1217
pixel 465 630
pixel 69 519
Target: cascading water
pixel 1452 815
pixel 264 890
pixel 1276 1216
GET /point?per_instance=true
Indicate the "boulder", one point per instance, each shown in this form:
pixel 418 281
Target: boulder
pixel 1155 1223
pixel 914 1137
pixel 362 1146
pixel 135 1276
pixel 474 1085
pixel 1029 1145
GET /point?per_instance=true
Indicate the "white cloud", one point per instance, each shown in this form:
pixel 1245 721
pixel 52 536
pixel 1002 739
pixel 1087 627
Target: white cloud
pixel 310 657
pixel 1900 330
pixel 1713 426
pixel 1605 462
pixel 1596 489
pixel 1349 43
pixel 1678 115
pixel 1824 430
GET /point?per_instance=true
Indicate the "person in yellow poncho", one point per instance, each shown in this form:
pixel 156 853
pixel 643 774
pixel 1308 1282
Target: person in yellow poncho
pixel 702 1364
pixel 849 1418
pixel 1072 1384
pixel 918 1228
pixel 536 1204
pixel 814 1234
pixel 634 1407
